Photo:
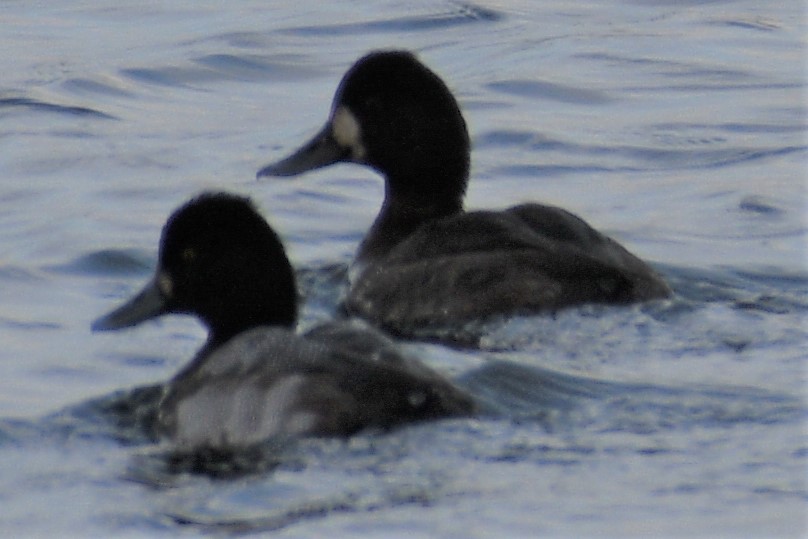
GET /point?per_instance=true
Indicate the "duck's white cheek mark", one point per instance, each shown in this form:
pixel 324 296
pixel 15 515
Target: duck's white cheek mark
pixel 347 132
pixel 165 284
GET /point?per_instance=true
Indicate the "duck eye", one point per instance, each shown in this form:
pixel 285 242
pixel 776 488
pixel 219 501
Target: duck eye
pixel 373 103
pixel 188 255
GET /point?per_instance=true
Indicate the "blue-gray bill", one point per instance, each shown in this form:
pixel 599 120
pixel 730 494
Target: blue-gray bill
pixel 149 303
pixel 322 150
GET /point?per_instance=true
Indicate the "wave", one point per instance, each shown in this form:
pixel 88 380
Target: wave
pixel 460 14
pixel 112 262
pixel 696 155
pixel 43 106
pixel 521 391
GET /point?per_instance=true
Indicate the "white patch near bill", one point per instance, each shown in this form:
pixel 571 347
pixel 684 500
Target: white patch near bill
pixel 347 132
pixel 165 284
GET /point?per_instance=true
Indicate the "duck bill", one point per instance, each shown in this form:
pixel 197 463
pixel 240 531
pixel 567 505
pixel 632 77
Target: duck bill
pixel 147 304
pixel 320 151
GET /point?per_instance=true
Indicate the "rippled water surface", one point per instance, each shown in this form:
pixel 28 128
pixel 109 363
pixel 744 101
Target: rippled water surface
pixel 677 127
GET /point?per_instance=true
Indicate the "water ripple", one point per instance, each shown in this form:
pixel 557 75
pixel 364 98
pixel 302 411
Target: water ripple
pixel 43 106
pixel 691 156
pixel 112 262
pixel 463 13
pixel 522 391
pixel 552 91
pixel 750 23
pixel 113 89
pixel 224 67
pixel 247 67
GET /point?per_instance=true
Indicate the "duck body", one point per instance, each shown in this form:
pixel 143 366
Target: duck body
pixel 270 383
pixel 426 261
pixel 257 379
pixel 526 259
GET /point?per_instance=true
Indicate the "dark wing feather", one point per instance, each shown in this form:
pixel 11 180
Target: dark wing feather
pixel 529 258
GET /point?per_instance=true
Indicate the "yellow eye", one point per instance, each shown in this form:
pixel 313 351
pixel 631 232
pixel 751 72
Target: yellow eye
pixel 188 255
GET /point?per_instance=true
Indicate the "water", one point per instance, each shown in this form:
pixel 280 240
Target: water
pixel 677 127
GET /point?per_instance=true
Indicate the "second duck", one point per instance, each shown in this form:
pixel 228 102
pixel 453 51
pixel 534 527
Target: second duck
pixel 425 261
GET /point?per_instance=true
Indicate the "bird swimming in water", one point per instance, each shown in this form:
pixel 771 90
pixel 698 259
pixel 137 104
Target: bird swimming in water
pixel 426 262
pixel 256 378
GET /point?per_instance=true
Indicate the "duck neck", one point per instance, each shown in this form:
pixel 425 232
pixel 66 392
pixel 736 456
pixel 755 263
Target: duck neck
pixel 220 334
pixel 401 214
pixel 224 330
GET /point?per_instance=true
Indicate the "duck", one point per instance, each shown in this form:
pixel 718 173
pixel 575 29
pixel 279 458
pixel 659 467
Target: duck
pixel 426 261
pixel 256 379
